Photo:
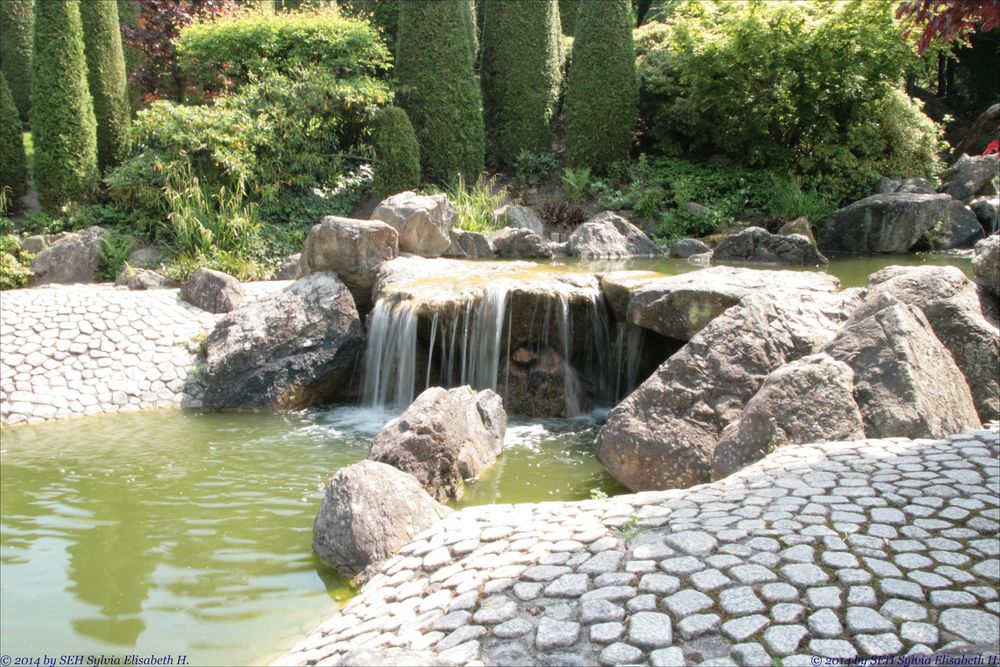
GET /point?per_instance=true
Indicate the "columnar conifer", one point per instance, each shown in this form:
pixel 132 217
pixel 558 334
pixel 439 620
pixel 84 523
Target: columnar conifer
pixel 17 18
pixel 397 166
pixel 13 166
pixel 107 80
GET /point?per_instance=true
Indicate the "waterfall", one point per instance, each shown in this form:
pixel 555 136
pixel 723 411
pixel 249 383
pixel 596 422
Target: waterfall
pixel 628 346
pixel 391 355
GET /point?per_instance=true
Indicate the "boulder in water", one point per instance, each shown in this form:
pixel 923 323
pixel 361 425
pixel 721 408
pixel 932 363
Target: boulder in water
pixel 444 437
pixel 369 511
pixel 883 223
pixel 292 349
pixel 519 243
pixel 214 291
pixel 610 235
pixel 353 249
pixel 468 244
pixel 686 247
pixel 756 245
pixel 905 382
pixel 422 221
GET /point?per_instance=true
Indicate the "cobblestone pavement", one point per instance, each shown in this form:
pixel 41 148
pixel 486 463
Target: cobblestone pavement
pixel 72 350
pixel 844 549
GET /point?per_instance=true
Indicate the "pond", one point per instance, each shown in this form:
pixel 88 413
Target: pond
pixel 189 534
pixel 173 533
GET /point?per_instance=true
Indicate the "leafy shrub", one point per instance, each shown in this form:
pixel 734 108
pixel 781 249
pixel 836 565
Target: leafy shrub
pixel 397 154
pixel 62 111
pixel 13 164
pixel 476 203
pixel 601 88
pixel 438 89
pixel 787 199
pixel 560 214
pixel 233 51
pixel 809 88
pixel 102 40
pixel 574 182
pixel 521 73
pixel 15 266
pixel 17 20
pixel 115 249
pixel 383 15
pixel 533 168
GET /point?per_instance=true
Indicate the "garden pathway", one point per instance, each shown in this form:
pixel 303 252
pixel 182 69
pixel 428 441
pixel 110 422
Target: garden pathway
pixel 71 350
pixel 835 550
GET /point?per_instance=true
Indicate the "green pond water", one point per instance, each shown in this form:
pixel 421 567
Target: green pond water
pixel 176 533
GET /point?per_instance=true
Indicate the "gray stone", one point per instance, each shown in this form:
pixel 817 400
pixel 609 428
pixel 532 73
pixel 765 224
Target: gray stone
pixel 555 634
pixel 694 542
pixel 740 601
pixel 883 223
pixel 370 510
pixel 666 657
pixel 620 654
pixel 832 648
pixel 986 263
pixel 742 628
pixel 513 243
pixel 804 574
pixel 971 625
pixel 468 245
pixel 290 268
pixel 213 291
pixel 143 279
pixel 686 247
pixel 605 633
pixel 610 235
pixel 755 245
pixel 886 643
pixel 696 625
pixel 523 217
pixel 687 602
pixel 919 633
pixel 971 176
pixel 444 437
pixel 650 630
pixel 960 229
pixel 600 611
pixel 72 258
pixel 824 623
pixel 421 221
pixel 354 249
pixel 515 627
pixel 784 639
pixel 495 611
pixel 567 586
pixel 865 619
pixel 289 350
pixel 661 584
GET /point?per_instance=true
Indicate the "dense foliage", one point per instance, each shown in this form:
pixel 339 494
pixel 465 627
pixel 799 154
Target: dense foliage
pixel 153 34
pixel 107 81
pixel 397 154
pixel 948 19
pixel 222 56
pixel 521 74
pixel 808 87
pixel 13 165
pixel 62 111
pixel 438 89
pixel 17 19
pixel 569 10
pixel 601 89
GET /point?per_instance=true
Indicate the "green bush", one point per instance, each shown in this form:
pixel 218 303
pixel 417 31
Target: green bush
pixel 102 41
pixel 397 154
pixel 280 137
pixel 13 164
pixel 533 168
pixel 383 15
pixel 601 88
pixel 231 52
pixel 15 266
pixel 17 19
pixel 438 89
pixel 62 111
pixel 521 73
pixel 810 88
pixel 476 203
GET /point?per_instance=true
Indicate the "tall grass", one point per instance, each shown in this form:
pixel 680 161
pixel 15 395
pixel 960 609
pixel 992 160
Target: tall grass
pixel 787 199
pixel 476 203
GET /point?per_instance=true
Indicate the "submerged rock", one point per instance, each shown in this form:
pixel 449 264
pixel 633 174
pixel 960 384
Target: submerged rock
pixel 369 511
pixel 808 400
pixel 444 437
pixel 422 221
pixel 664 434
pixel 610 235
pixel 73 258
pixel 883 223
pixel 214 291
pixel 756 245
pixel 905 382
pixel 354 249
pixel 952 305
pixel 289 350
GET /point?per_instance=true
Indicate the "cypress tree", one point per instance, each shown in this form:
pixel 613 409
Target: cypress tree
pixel 397 166
pixel 469 18
pixel 521 75
pixel 62 113
pixel 438 89
pixel 13 165
pixel 17 19
pixel 568 12
pixel 106 79
pixel 601 87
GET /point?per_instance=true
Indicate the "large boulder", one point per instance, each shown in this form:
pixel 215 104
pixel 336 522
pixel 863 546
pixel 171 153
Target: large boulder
pixel 951 304
pixel 39 242
pixel 290 268
pixel 298 347
pixel 468 244
pixel 905 381
pixel 663 435
pixel 883 223
pixel 369 511
pixel 610 235
pixel 444 437
pixel 680 306
pixel 971 176
pixel 756 245
pixel 686 247
pixel 73 258
pixel 519 243
pixel 214 291
pixel 541 385
pixel 523 217
pixel 986 263
pixel 146 257
pixel 808 400
pixel 422 221
pixel 353 249
pixel 986 210
pixel 961 229
pixel 798 226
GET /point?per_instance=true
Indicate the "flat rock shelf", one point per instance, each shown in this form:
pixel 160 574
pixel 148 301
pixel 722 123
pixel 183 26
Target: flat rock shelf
pixel 839 549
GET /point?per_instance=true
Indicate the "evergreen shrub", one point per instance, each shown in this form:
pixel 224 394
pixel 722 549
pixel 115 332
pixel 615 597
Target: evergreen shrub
pixel 17 20
pixel 13 165
pixel 397 154
pixel 106 78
